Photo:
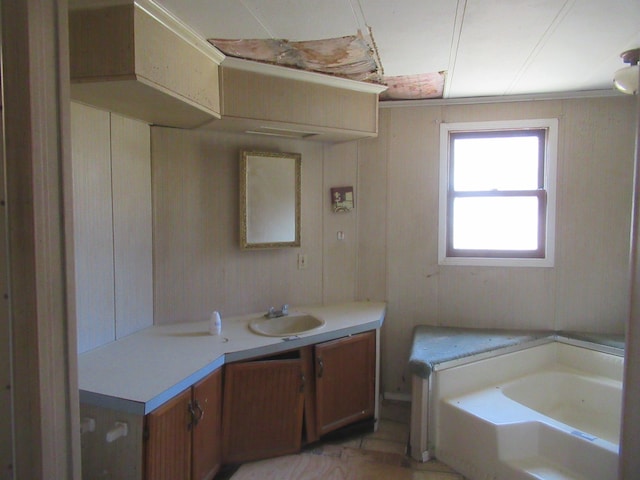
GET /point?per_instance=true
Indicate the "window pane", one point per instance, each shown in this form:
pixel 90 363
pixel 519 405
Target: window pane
pixel 495 223
pixel 495 163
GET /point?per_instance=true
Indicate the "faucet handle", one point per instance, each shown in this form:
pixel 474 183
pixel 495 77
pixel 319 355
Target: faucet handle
pixel 285 309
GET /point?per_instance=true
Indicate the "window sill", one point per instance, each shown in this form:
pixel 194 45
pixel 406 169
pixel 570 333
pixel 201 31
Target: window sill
pixel 496 262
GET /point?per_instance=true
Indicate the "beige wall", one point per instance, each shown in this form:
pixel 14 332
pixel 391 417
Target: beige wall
pixel 587 289
pixel 390 247
pixel 112 237
pixel 198 264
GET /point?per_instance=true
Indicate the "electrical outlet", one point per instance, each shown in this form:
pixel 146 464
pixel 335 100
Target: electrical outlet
pixel 302 261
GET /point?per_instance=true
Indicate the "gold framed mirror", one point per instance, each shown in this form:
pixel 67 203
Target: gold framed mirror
pixel 269 199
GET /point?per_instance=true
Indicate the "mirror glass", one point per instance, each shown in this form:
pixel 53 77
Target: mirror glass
pixel 269 199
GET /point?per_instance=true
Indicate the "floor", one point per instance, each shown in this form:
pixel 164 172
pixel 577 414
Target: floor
pixel 376 456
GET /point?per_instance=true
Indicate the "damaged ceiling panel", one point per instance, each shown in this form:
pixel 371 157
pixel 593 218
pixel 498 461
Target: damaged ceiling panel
pixel 486 47
pixel 347 57
pixel 414 87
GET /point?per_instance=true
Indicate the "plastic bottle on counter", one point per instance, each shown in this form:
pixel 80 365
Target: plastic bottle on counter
pixel 215 323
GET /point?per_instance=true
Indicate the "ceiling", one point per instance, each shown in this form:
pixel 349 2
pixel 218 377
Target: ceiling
pixel 486 47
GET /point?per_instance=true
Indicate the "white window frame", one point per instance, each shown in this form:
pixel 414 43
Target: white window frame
pixel 551 149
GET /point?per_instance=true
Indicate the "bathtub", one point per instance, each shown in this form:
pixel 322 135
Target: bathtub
pixel 550 411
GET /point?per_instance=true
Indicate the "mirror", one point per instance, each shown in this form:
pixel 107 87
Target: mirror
pixel 269 200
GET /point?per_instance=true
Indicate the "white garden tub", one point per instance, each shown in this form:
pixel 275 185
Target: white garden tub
pixel 547 412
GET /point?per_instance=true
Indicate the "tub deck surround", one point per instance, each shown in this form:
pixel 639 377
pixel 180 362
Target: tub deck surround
pixel 555 413
pixel 140 372
pixel 433 346
pixel 604 342
pixel 437 348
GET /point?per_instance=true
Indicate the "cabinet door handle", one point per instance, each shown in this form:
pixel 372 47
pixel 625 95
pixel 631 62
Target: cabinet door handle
pixel 192 416
pixel 195 414
pixel 303 381
pixel 200 413
pixel 320 367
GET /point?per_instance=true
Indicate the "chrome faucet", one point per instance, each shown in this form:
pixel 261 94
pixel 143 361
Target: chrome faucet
pixel 273 313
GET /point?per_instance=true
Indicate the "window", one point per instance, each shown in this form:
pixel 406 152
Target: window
pixel 497 193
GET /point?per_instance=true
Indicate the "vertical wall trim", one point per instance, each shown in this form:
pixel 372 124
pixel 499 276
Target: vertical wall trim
pixel 561 199
pixel 113 230
pixel 630 423
pixel 356 220
pixel 387 152
pixel 6 381
pixel 44 362
pixel 323 226
pixel 323 247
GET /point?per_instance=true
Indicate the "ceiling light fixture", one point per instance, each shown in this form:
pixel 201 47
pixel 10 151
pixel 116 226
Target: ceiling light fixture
pixel 626 79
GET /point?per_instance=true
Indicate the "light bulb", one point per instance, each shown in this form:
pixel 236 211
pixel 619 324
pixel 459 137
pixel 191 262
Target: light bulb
pixel 626 79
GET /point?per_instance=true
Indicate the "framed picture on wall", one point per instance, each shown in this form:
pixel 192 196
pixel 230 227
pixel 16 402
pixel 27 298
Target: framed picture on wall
pixel 342 199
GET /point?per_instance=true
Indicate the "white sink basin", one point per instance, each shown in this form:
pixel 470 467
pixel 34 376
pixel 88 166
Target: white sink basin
pixel 285 326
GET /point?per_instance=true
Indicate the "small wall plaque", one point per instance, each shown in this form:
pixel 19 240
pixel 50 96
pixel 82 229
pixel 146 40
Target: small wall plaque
pixel 342 199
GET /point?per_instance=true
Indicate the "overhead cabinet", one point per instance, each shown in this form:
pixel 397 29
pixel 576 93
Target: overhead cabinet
pixel 130 60
pixel 138 60
pixel 272 100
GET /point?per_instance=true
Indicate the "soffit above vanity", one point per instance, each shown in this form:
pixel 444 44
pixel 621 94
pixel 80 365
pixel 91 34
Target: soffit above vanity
pixel 131 58
pixel 136 59
pixel 265 99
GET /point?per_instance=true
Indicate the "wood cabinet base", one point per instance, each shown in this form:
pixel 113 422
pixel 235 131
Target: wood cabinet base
pixel 330 385
pixel 263 406
pixel 183 435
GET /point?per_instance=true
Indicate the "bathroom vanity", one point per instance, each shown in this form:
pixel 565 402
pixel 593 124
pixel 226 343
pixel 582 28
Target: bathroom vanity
pixel 193 401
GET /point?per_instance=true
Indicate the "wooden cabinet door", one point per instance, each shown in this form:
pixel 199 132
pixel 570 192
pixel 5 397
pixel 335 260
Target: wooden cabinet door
pixel 345 381
pixel 262 410
pixel 168 447
pixel 207 432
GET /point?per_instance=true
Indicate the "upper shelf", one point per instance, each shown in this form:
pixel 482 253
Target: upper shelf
pixel 127 59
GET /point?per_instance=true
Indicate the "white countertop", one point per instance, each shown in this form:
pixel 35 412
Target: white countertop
pixel 140 372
